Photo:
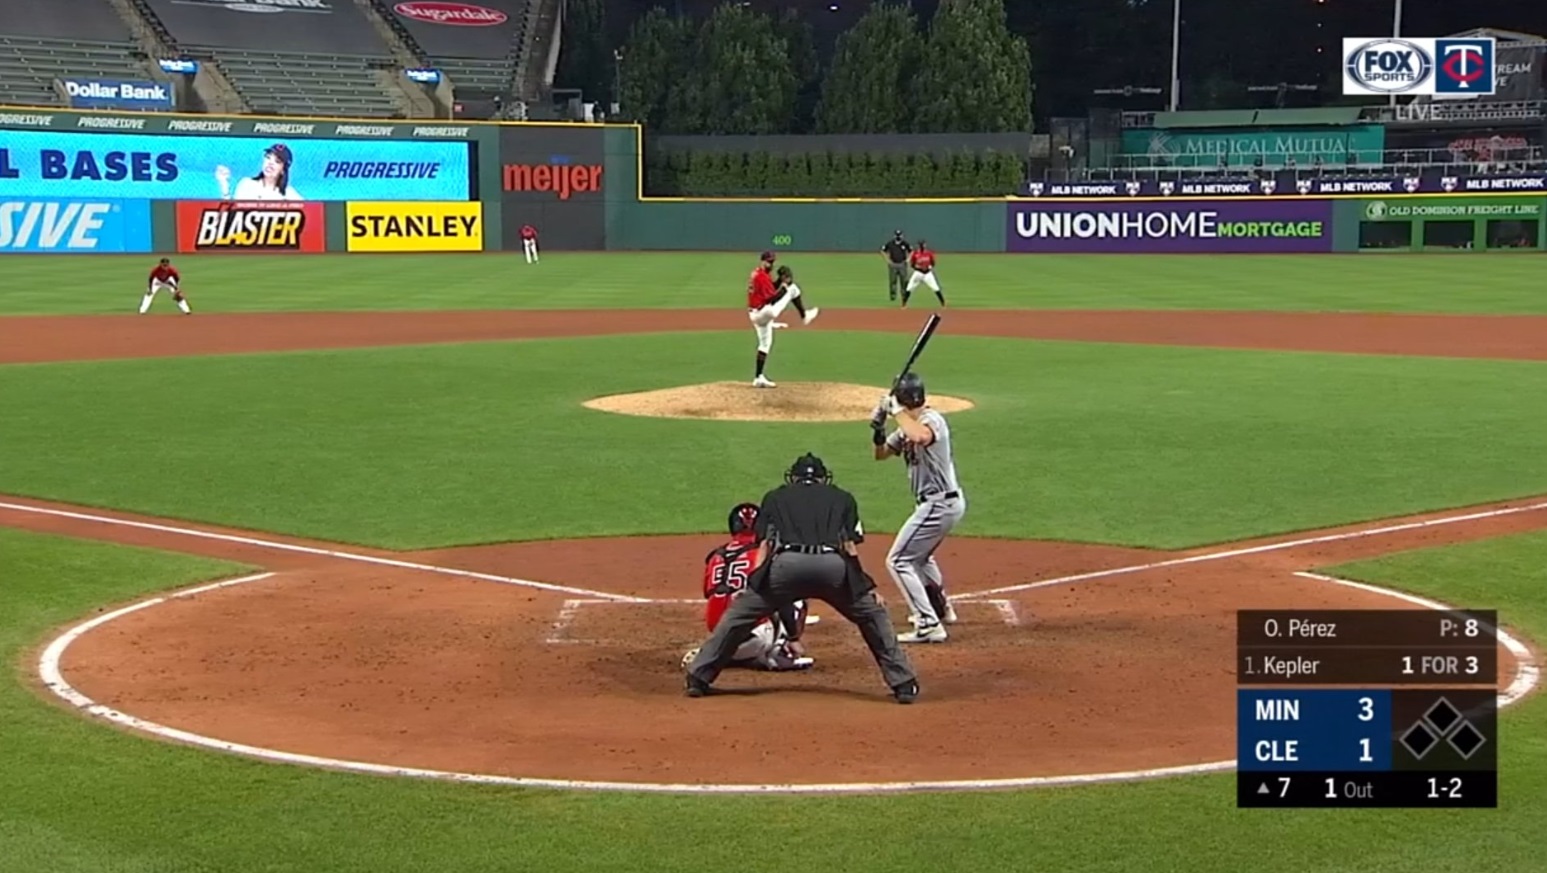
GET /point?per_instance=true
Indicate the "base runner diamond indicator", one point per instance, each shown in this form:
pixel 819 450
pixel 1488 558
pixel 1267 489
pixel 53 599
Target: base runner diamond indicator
pixel 1442 716
pixel 1419 740
pixel 1467 740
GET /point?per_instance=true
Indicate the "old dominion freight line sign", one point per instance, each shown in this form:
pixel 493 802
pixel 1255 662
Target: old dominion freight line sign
pixel 1204 147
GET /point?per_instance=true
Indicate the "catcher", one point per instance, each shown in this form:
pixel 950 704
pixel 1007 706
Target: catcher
pixel 773 645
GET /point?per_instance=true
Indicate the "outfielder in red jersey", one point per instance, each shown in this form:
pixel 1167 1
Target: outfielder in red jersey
pixel 164 275
pixel 726 568
pixel 766 300
pixel 529 242
pixel 923 262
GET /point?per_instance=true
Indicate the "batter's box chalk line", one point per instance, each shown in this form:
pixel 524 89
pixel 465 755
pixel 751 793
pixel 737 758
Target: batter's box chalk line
pixel 561 632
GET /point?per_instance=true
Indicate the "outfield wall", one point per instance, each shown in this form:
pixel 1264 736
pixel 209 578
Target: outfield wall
pixel 82 182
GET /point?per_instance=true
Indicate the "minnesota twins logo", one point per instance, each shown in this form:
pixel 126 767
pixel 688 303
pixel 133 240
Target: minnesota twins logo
pixel 1168 188
pixel 1449 183
pixel 1134 188
pixel 1269 186
pixel 1037 188
pixel 1411 183
pixel 1304 185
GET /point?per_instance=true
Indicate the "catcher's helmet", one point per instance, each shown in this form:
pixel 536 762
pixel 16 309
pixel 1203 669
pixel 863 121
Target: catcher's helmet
pixel 910 390
pixel 742 518
pixel 808 468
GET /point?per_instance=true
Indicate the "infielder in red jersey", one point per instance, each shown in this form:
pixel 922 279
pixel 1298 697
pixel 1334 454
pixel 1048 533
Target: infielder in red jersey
pixel 923 262
pixel 164 275
pixel 726 568
pixel 766 300
pixel 529 242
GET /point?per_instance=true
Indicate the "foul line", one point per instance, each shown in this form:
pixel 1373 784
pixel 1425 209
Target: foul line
pixel 329 553
pixel 1527 672
pixel 1253 550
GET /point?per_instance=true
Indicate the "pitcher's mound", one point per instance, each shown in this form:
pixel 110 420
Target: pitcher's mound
pixel 739 401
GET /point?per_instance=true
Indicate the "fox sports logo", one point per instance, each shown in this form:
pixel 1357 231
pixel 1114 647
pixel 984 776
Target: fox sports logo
pixel 1389 66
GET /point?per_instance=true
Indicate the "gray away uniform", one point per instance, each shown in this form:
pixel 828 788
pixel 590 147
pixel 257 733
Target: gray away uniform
pixel 941 505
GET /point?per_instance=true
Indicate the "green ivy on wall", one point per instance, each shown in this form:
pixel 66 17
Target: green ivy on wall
pixel 831 174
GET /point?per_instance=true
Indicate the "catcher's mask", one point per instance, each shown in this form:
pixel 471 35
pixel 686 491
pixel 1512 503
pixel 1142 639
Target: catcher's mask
pixel 910 390
pixel 743 518
pixel 808 468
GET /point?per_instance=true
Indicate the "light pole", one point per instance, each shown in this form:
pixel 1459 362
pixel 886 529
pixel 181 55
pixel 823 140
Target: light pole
pixel 1396 33
pixel 1176 52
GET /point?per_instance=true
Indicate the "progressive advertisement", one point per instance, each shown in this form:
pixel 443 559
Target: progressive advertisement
pixel 259 226
pixel 1203 226
pixel 163 167
pixel 555 180
pixel 414 227
pixel 74 226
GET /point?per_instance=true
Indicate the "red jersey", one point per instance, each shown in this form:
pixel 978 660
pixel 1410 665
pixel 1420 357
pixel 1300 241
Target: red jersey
pixel 760 289
pixel 727 568
pixel 163 272
pixel 528 232
pixel 923 260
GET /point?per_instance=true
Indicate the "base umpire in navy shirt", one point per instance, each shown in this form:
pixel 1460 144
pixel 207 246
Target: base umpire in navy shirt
pixel 807 530
pixel 897 251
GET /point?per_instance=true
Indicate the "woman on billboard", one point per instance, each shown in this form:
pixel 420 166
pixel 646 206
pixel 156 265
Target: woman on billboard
pixel 271 183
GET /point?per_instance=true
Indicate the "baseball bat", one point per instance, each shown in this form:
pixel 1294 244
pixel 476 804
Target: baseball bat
pixel 918 346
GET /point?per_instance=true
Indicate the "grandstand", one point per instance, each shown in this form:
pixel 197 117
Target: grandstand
pixel 482 62
pixel 314 57
pixel 41 40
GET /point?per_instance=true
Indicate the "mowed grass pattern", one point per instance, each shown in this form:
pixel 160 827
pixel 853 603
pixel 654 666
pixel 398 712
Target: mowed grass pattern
pixel 79 797
pixel 436 445
pixel 39 284
pixel 453 444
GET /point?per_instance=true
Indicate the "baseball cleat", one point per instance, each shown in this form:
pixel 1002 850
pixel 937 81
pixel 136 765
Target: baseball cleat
pixel 907 692
pixel 811 314
pixel 778 324
pixel 930 633
pixel 693 686
pixel 763 382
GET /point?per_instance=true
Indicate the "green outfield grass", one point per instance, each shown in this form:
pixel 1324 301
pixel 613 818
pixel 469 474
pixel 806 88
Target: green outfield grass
pixel 80 797
pixel 261 283
pixel 453 444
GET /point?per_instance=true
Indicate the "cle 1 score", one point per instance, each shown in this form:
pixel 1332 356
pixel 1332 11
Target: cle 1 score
pixel 1278 750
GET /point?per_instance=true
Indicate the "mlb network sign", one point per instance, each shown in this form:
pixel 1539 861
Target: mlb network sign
pixel 117 94
pixel 1436 67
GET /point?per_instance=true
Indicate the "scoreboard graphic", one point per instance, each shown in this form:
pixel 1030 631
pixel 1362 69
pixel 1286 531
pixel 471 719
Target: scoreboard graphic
pixel 1367 708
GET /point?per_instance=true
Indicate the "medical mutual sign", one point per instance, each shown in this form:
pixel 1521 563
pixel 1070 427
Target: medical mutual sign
pixel 1170 226
pixel 117 94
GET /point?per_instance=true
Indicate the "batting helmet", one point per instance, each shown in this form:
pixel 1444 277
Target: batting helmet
pixel 910 390
pixel 742 518
pixel 808 468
